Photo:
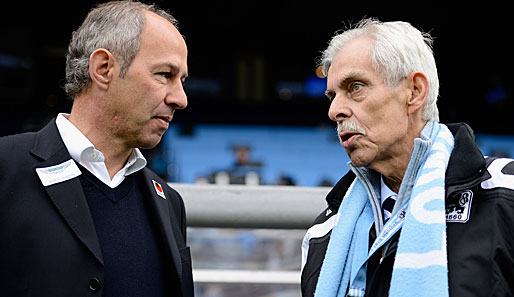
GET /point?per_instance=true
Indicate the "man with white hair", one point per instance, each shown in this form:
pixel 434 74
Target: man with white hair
pixel 421 212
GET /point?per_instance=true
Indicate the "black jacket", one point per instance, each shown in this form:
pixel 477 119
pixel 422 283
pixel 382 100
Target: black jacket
pixel 480 249
pixel 48 242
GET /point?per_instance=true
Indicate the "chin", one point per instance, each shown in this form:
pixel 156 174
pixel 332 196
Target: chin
pixel 150 138
pixel 359 163
pixel 149 143
pixel 359 160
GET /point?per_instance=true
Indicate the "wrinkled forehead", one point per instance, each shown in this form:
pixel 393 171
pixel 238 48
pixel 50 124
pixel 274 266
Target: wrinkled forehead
pixel 353 57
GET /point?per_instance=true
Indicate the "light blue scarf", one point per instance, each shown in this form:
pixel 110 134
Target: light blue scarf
pixel 420 267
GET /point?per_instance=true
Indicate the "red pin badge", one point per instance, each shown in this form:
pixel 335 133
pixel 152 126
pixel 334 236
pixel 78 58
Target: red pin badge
pixel 158 189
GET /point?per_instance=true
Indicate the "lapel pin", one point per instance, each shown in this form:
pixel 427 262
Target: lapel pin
pixel 158 189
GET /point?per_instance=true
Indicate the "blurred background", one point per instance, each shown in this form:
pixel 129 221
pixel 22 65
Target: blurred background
pixel 257 112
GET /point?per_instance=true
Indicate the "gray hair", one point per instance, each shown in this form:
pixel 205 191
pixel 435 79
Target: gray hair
pixel 115 26
pixel 399 49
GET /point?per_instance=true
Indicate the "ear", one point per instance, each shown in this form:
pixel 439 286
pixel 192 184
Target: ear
pixel 101 68
pixel 419 92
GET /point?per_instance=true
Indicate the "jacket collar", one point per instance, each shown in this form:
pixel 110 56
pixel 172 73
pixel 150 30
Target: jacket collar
pixel 48 143
pixel 466 161
pixel 67 196
pixel 335 196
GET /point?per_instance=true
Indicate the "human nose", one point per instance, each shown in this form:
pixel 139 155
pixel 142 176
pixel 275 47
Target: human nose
pixel 339 110
pixel 176 96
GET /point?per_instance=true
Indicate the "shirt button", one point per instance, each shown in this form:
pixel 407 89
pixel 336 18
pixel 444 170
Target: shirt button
pixel 94 284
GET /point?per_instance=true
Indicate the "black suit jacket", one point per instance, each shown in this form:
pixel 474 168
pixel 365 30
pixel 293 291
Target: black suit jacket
pixel 48 242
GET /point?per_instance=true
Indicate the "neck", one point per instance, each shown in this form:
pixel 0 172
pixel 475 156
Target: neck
pixel 393 182
pixel 91 124
pixel 393 169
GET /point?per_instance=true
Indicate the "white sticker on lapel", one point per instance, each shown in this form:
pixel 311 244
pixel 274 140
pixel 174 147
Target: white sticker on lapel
pixel 58 173
pixel 158 189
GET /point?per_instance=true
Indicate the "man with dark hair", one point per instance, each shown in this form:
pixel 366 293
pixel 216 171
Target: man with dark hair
pixel 80 213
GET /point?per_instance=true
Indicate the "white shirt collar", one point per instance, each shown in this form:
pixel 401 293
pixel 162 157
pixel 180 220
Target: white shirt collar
pixel 84 153
pixel 385 191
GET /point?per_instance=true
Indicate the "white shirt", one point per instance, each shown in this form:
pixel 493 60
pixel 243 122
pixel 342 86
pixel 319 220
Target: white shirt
pixel 385 191
pixel 84 153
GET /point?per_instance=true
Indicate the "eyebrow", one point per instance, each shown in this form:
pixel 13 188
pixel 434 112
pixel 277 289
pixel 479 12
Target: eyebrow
pixel 174 68
pixel 349 77
pixel 330 94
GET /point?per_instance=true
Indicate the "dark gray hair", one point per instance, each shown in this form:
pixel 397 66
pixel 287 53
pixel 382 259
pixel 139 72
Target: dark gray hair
pixel 399 49
pixel 115 26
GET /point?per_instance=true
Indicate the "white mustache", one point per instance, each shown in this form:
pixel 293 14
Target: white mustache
pixel 348 126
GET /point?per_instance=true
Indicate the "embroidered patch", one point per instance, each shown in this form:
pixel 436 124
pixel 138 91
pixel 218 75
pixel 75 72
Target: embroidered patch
pixel 458 210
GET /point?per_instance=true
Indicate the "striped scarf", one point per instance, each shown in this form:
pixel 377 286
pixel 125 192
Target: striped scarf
pixel 420 268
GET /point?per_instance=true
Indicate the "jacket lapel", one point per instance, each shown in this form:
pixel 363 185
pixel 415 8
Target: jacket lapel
pixel 160 207
pixel 67 196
